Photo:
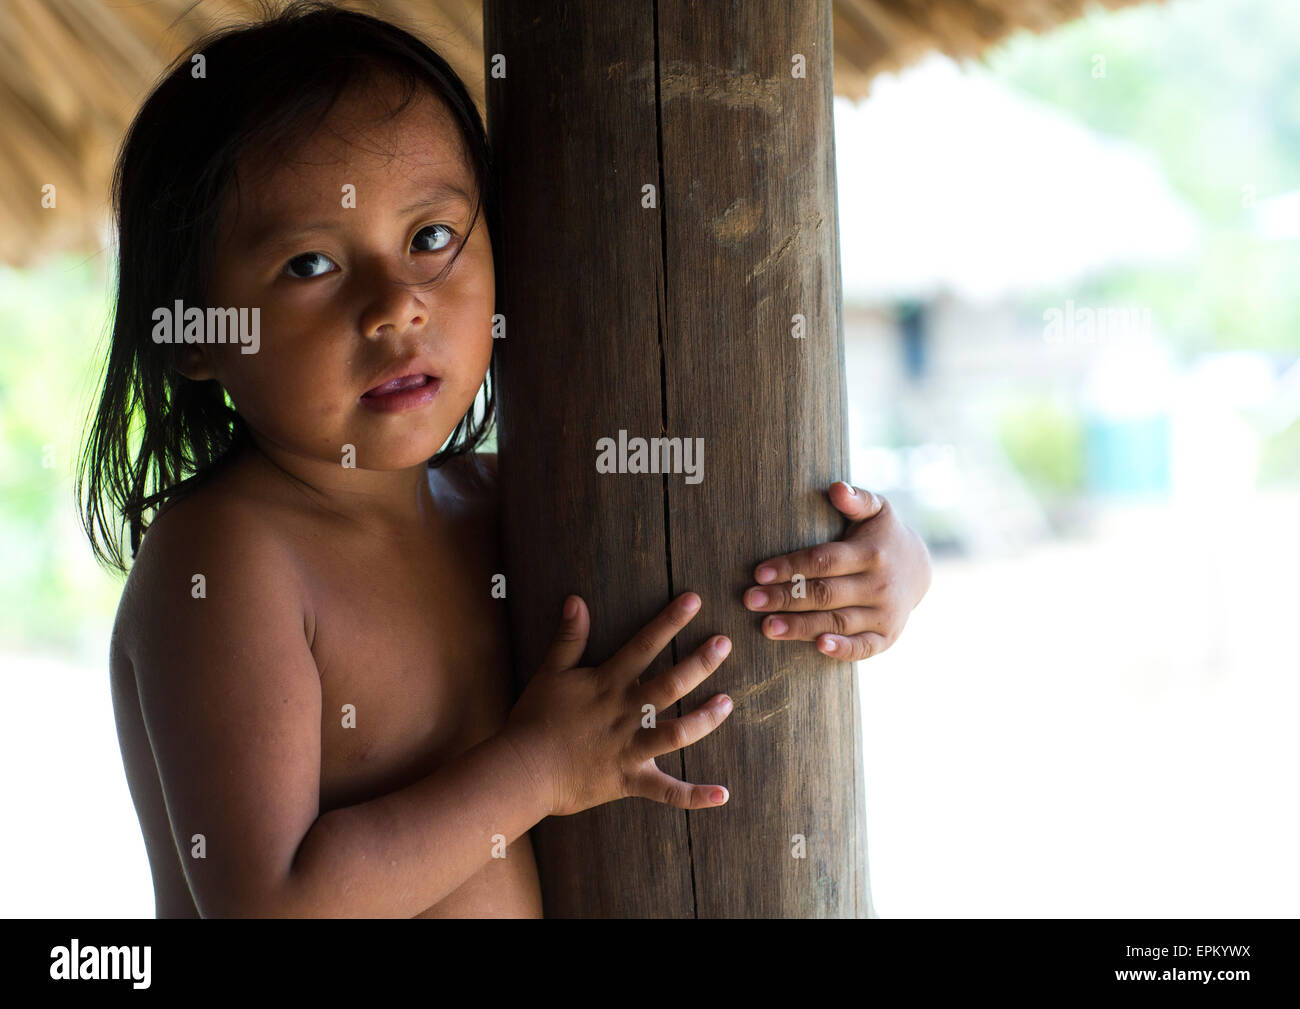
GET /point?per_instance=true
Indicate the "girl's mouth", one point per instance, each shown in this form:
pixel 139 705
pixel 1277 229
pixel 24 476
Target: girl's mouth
pixel 405 393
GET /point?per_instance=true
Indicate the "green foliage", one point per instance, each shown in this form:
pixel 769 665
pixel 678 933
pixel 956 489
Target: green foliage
pixel 1045 442
pixel 54 318
pixel 1210 90
pixel 1208 87
pixel 1279 459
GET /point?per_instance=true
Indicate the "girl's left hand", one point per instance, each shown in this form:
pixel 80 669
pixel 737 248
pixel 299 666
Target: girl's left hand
pixel 857 592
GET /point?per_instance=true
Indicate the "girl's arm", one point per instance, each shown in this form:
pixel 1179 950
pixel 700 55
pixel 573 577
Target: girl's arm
pixel 230 695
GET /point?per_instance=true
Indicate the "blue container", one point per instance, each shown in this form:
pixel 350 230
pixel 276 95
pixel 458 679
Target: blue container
pixel 1128 456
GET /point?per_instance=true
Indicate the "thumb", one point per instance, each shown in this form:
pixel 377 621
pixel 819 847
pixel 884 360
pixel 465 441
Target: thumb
pixel 854 502
pixel 570 639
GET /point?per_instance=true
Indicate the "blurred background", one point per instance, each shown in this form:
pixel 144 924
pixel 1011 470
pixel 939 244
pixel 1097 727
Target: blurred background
pixel 1073 343
pixel 1073 347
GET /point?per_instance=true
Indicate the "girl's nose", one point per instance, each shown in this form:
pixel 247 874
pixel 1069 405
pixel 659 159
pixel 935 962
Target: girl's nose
pixel 392 307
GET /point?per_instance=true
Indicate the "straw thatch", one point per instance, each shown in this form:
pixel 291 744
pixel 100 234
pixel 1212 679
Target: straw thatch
pixel 73 72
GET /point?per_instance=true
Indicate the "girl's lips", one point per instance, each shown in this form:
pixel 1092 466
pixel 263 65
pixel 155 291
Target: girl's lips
pixel 402 382
pixel 405 393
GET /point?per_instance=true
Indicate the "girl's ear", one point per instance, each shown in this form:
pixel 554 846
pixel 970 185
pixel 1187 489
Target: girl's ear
pixel 192 361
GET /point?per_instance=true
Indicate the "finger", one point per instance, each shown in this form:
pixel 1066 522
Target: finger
pixel 853 648
pixel 854 502
pixel 844 622
pixel 654 784
pixel 676 733
pixel 673 684
pixel 810 594
pixel 630 661
pixel 825 560
pixel 570 640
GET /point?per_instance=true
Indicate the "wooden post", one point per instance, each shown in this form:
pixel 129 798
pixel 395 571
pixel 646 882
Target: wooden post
pixel 670 268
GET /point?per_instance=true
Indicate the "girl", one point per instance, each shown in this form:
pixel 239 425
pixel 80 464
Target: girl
pixel 315 716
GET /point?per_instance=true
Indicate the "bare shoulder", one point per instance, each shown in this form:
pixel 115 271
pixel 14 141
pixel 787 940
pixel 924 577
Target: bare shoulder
pixel 209 538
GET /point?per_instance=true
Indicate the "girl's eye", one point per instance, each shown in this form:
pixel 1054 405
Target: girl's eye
pixel 301 267
pixel 306 258
pixel 431 227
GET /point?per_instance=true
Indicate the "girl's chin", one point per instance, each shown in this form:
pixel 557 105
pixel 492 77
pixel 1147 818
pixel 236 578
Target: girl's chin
pixel 391 459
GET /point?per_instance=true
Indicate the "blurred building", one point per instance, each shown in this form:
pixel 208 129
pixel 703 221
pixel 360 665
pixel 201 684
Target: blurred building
pixel 946 321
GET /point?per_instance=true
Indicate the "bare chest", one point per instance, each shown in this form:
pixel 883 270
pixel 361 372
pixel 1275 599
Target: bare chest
pixel 414 662
pixel 412 647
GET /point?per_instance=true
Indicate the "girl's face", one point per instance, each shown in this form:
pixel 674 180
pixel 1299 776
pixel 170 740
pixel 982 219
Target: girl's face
pixel 322 243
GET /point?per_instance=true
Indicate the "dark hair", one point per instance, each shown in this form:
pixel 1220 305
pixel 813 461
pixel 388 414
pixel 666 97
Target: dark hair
pixel 278 77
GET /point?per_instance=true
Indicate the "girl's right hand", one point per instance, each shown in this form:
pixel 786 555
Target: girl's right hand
pixel 579 728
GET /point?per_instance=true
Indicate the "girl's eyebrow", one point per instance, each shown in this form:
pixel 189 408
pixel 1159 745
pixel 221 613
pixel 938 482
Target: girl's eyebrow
pixel 276 231
pixel 440 193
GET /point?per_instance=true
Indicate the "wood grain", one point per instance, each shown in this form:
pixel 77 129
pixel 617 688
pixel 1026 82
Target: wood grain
pixel 676 321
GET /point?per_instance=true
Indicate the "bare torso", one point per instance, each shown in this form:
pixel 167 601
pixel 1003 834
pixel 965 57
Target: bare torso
pixel 408 632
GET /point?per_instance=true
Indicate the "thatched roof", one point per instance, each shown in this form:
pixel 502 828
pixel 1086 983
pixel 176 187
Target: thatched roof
pixel 73 73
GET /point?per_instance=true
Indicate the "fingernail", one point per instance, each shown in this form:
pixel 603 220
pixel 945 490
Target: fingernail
pixel 852 490
pixel 830 645
pixel 724 702
pixel 570 608
pixel 765 575
pixel 776 625
pixel 691 604
pixel 758 598
pixel 719 795
pixel 721 645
